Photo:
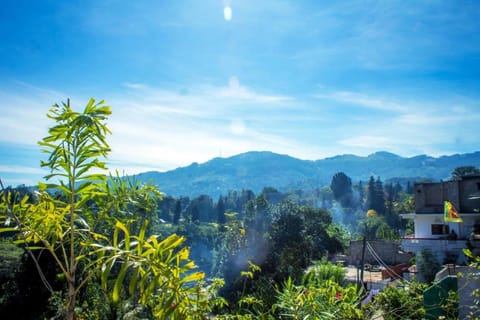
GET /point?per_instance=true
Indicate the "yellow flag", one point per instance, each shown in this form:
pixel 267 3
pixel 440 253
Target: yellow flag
pixel 450 213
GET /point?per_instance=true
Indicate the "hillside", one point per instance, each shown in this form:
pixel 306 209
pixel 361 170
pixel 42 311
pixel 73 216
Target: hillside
pixel 255 170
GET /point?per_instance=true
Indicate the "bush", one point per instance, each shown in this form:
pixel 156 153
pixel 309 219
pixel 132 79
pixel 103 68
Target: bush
pixel 402 302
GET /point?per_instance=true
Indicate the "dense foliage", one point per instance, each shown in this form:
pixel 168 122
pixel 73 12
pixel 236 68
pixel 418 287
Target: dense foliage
pixel 400 302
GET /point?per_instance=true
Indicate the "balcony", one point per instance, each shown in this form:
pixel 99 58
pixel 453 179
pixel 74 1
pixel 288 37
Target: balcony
pixel 416 244
pixel 444 249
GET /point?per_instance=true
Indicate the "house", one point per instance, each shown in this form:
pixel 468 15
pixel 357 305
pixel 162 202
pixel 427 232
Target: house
pixel 446 240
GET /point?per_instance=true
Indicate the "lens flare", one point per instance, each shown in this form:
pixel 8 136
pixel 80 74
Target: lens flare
pixel 227 13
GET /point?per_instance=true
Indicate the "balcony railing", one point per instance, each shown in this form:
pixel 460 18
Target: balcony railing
pixel 437 244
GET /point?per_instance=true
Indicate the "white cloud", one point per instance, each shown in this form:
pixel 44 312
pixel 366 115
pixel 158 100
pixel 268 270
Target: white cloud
pixel 363 100
pixel 22 169
pixel 236 91
pixel 367 142
pixel 404 126
pixel 164 129
pixel 23 119
pixel 237 127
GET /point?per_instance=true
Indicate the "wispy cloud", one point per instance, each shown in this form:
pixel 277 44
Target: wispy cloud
pixel 166 128
pixel 235 91
pixel 414 126
pixel 358 99
pixel 23 111
pixel 14 169
pixel 389 36
pixel 380 143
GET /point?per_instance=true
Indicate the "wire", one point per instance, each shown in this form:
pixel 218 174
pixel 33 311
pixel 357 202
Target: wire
pixel 380 261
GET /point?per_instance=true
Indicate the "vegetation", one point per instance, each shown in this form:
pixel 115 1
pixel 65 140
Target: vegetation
pixel 400 302
pixel 463 171
pixel 70 218
pixel 342 189
pixel 428 265
pixel 474 309
pixel 110 247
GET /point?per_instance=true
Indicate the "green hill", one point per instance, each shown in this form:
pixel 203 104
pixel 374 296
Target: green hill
pixel 258 169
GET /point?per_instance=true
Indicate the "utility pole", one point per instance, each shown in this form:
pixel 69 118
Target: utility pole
pixel 362 262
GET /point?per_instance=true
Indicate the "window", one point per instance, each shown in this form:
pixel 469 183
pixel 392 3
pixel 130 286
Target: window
pixel 440 229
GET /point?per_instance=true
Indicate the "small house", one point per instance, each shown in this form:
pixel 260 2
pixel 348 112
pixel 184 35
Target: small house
pixel 446 240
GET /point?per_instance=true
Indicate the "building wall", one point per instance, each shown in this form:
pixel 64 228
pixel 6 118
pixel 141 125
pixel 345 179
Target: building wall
pixel 430 197
pixel 464 194
pixel 423 226
pixel 469 187
pixel 468 281
pixel 389 252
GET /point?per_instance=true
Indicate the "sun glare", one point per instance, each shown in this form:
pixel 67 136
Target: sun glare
pixel 227 13
pixel 237 127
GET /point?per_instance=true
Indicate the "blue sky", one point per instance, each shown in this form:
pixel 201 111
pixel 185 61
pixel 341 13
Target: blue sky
pixel 187 83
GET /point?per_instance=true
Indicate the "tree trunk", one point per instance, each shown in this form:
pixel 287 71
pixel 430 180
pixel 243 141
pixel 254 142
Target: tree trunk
pixel 71 300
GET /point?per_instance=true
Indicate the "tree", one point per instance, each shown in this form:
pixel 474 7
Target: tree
pixel 177 212
pixel 201 208
pixel 427 265
pixel 318 223
pixel 361 193
pixel 379 197
pixel 76 144
pixel 221 218
pixel 463 171
pixel 409 188
pixel 371 195
pixel 376 195
pixel 263 215
pixel 72 224
pixel 289 252
pixel 341 186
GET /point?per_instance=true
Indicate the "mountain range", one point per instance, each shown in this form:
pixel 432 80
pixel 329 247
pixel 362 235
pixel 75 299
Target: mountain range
pixel 258 169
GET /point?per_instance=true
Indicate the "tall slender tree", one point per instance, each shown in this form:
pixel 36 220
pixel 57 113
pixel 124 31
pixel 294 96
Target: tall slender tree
pixel 379 197
pixel 221 211
pixel 341 186
pixel 177 213
pixel 371 193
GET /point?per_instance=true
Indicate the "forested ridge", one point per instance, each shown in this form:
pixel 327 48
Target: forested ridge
pixel 88 245
pixel 255 170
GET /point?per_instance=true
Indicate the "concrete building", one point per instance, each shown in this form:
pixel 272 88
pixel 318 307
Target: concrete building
pixel 445 239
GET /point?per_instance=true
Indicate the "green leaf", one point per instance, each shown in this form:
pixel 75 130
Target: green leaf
pixel 122 227
pixel 133 282
pixel 141 237
pixel 9 229
pixel 119 281
pixel 105 272
pixel 194 277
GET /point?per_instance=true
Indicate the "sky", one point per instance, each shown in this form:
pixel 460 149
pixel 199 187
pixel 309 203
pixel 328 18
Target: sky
pixel 191 80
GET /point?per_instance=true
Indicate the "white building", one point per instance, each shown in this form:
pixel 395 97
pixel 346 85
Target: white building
pixel 445 239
